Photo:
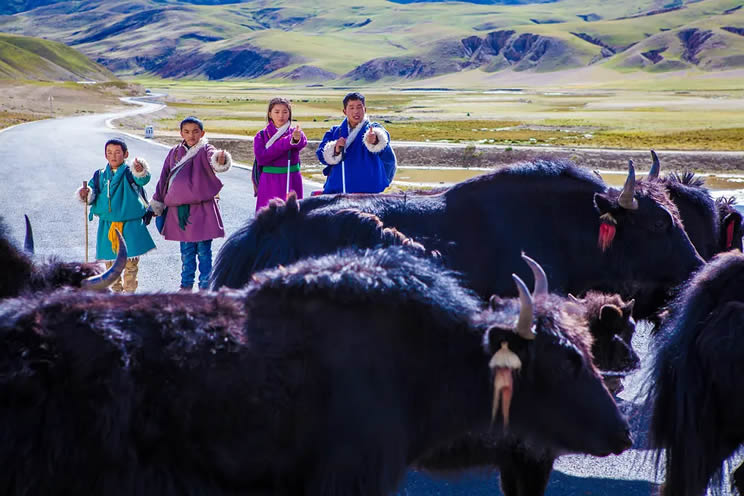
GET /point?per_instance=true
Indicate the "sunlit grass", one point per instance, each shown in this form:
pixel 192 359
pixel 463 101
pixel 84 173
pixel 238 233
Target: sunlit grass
pixel 680 119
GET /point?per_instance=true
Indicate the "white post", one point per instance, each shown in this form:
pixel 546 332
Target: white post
pixel 51 104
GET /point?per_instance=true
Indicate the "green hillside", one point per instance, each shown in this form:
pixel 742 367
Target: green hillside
pixel 23 57
pixel 383 41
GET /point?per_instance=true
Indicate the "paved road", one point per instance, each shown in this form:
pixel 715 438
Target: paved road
pixel 44 162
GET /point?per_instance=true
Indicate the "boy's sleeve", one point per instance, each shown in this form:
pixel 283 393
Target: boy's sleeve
pixel 325 151
pixel 143 177
pixel 217 167
pixel 92 195
pixel 383 138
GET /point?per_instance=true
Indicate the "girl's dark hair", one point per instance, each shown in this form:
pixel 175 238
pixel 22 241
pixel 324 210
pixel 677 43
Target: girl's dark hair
pixel 193 120
pixel 278 100
pixel 116 142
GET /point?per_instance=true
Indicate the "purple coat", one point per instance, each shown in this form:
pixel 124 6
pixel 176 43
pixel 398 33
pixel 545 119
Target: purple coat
pixel 196 185
pixel 275 185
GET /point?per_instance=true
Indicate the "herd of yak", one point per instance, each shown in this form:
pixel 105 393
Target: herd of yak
pixel 350 337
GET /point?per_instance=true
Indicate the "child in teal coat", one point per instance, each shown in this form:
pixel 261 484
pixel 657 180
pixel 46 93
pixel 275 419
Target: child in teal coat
pixel 116 197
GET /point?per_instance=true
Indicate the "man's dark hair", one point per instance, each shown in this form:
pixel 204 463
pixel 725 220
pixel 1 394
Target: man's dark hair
pixel 354 95
pixel 117 142
pixel 193 120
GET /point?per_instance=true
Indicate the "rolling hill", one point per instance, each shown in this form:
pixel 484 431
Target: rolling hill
pixel 385 41
pixel 23 57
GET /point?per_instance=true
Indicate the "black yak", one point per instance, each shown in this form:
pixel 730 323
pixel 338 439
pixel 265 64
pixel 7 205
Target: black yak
pixel 526 463
pixel 612 326
pixel 586 236
pixel 695 388
pixel 20 274
pixel 731 224
pixel 287 235
pixel 713 226
pixel 326 377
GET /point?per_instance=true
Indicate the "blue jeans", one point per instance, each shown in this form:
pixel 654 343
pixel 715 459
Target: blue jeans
pixel 189 252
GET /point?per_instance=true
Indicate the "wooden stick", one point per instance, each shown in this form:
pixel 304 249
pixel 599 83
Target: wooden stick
pixel 85 188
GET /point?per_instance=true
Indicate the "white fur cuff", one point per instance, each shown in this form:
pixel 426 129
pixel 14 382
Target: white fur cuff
pixel 382 139
pixel 217 167
pixel 90 195
pixel 145 168
pixel 328 155
pixel 157 207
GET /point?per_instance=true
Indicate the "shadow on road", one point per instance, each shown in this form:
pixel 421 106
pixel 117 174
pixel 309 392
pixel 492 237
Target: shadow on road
pixel 487 484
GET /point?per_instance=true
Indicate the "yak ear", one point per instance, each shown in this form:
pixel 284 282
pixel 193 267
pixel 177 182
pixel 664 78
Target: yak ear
pixel 603 204
pixel 609 313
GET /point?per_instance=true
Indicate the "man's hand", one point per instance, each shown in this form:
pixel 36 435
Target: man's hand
pixel 221 157
pixel 84 192
pixel 138 166
pixel 340 143
pixel 297 134
pixel 372 137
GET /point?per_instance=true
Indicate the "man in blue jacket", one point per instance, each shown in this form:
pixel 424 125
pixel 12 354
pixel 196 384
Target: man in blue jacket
pixel 357 153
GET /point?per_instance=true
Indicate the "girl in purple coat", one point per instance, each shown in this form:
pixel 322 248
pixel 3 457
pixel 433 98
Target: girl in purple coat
pixel 277 150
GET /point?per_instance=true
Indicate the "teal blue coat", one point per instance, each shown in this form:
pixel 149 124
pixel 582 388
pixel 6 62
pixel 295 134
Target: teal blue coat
pixel 117 201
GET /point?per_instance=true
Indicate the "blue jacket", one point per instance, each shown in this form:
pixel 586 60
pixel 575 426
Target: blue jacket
pixel 368 168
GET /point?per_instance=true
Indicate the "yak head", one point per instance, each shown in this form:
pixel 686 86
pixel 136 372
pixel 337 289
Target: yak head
pixel 612 326
pixel 643 243
pixel 546 387
pixel 21 274
pixel 696 206
pixel 731 224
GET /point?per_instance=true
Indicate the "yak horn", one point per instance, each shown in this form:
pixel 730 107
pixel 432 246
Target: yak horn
pixel 103 281
pixel 28 243
pixel 627 196
pixel 655 167
pixel 524 328
pixel 573 298
pixel 541 280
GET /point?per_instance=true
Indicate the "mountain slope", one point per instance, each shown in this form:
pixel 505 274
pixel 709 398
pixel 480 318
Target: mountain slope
pixel 23 57
pixel 380 40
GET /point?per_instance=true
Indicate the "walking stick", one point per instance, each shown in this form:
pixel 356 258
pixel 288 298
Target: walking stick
pixel 343 170
pixel 85 188
pixel 289 161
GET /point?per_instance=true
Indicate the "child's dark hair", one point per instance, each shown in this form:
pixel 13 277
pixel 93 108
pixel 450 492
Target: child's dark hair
pixel 278 101
pixel 354 95
pixel 193 120
pixel 116 142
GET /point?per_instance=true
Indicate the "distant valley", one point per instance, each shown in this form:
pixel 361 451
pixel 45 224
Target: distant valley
pixel 342 42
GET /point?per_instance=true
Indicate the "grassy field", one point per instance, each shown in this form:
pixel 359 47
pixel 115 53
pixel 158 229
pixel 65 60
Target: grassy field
pixel 682 119
pixel 23 57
